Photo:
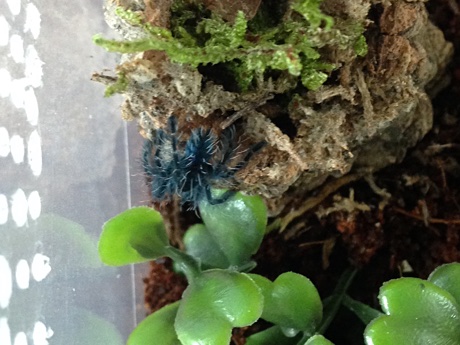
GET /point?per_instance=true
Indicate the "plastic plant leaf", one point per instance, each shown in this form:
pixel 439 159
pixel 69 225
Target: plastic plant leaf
pixel 291 302
pixel 318 339
pixel 272 336
pixel 135 235
pixel 157 328
pixel 447 277
pixel 213 304
pixel 418 312
pixel 236 226
pixel 200 244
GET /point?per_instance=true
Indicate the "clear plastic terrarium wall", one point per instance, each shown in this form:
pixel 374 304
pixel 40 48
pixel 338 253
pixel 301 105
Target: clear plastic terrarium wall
pixel 64 169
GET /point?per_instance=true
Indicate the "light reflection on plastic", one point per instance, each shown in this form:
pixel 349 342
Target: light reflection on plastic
pixel 41 334
pixel 17 148
pixel 19 208
pixel 4 31
pixel 22 206
pixel 34 153
pixel 5 80
pixel 3 209
pixel 33 20
pixel 20 339
pixel 34 203
pixel 40 267
pixel 5 333
pixel 17 48
pixel 15 6
pixel 6 284
pixel 22 274
pixel 4 141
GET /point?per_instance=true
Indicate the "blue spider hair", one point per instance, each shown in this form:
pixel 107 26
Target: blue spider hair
pixel 189 168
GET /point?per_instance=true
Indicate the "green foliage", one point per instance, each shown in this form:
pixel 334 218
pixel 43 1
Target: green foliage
pixel 217 299
pixel 158 326
pixel 136 235
pixel 291 302
pixel 87 328
pixel 119 86
pixel 272 336
pixel 213 304
pixel 223 225
pixel 68 236
pixel 220 296
pixel 310 10
pixel 419 311
pixel 199 243
pixel 290 46
pixel 318 339
pixel 365 313
pixel 447 277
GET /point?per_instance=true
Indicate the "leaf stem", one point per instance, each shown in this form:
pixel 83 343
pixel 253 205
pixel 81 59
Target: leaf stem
pixel 187 264
pixel 365 313
pixel 333 302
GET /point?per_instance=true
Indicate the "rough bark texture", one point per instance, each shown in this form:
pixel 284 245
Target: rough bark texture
pixel 364 119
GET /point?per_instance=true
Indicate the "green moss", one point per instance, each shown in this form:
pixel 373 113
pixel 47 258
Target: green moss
pixel 119 86
pixel 198 37
pixel 310 10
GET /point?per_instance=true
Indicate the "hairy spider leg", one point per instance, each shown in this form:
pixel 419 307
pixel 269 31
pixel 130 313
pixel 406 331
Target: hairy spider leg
pixel 228 148
pixel 159 170
pixel 151 166
pixel 221 198
pixel 197 162
pixel 175 172
pixel 251 151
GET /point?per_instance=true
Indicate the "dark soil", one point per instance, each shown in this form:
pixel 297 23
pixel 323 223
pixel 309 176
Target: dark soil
pixel 405 221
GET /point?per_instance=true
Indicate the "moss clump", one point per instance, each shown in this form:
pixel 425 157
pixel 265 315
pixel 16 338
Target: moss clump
pixel 118 86
pixel 251 50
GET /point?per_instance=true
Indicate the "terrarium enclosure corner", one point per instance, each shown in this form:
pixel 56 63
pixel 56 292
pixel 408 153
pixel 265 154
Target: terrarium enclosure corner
pixel 340 114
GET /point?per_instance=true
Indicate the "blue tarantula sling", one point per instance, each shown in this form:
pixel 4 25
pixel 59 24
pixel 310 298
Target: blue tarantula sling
pixel 190 168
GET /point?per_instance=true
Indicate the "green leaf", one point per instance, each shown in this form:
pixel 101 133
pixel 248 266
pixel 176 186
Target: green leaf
pixel 87 328
pixel 272 336
pixel 200 244
pixel 236 228
pixel 318 339
pixel 291 302
pixel 418 312
pixel 447 277
pixel 63 236
pixel 365 313
pixel 157 328
pixel 213 304
pixel 135 235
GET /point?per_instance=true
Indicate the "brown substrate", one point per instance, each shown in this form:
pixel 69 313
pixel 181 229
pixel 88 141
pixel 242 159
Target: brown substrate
pixel 403 221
